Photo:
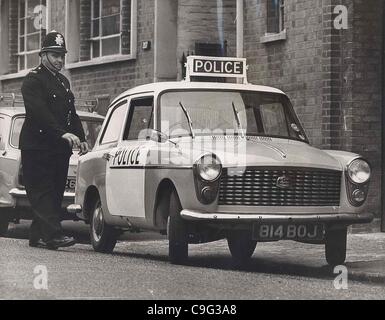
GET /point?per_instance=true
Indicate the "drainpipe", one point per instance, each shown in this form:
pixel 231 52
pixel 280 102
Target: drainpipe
pixel 239 30
pixel 383 124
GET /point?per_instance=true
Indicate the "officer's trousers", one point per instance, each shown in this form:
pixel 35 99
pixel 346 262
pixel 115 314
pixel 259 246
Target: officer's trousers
pixel 44 176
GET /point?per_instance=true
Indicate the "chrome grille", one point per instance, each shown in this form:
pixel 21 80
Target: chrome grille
pixel 258 187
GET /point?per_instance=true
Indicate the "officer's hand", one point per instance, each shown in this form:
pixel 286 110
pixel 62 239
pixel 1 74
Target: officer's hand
pixel 83 148
pixel 72 140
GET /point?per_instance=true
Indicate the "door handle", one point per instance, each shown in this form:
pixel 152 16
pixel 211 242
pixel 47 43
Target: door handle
pixel 106 156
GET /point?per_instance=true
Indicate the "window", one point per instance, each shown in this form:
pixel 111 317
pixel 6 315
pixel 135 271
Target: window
pixel 102 31
pixel 16 129
pixel 114 124
pixel 141 117
pixel 105 28
pixel 32 27
pixel 275 16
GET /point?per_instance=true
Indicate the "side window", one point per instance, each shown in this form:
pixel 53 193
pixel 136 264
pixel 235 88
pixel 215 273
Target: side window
pixel 114 124
pixel 141 117
pixel 2 133
pixel 273 118
pixel 16 129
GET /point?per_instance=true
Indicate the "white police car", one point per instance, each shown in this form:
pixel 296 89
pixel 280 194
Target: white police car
pixel 203 161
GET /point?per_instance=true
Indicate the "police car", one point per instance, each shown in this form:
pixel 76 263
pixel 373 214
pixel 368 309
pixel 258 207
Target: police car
pixel 14 204
pixel 203 161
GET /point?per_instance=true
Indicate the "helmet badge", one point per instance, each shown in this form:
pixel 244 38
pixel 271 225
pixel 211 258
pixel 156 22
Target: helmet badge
pixel 59 40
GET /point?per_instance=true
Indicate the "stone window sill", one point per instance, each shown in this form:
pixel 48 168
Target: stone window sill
pixel 99 61
pixel 20 74
pixel 272 37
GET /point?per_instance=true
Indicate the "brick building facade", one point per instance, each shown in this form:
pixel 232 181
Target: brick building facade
pixel 333 76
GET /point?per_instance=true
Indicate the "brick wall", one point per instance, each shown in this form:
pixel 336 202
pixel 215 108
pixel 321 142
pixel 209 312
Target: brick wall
pixel 367 90
pixel 202 21
pixel 293 65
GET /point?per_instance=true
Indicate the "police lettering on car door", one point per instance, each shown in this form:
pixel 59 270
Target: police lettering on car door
pixel 126 157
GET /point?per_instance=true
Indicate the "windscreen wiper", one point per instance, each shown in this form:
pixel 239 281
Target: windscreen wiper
pixel 236 114
pixel 188 119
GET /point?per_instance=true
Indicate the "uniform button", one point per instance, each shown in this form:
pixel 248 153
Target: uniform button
pixel 69 100
pixel 54 95
pixel 40 131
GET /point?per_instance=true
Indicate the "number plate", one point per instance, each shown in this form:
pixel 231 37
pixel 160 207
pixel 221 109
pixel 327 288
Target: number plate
pixel 70 185
pixel 303 231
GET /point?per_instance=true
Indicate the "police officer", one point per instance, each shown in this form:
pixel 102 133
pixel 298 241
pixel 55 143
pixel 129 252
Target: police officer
pixel 50 130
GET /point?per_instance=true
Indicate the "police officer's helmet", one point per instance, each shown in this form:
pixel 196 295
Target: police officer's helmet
pixel 53 42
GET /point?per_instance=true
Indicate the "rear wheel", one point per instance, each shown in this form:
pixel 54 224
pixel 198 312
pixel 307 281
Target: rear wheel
pixel 335 246
pixel 103 236
pixel 241 246
pixel 176 232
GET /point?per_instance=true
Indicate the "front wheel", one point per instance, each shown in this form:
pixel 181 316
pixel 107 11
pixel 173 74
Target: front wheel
pixel 103 236
pixel 335 246
pixel 241 246
pixel 176 232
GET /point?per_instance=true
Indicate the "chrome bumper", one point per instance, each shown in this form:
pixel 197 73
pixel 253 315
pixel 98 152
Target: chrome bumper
pixel 21 193
pixel 346 218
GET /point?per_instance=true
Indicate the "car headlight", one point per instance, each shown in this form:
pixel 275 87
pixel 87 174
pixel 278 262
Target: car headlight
pixel 209 167
pixel 359 171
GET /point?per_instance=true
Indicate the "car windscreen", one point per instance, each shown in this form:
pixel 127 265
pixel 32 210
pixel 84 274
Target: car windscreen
pixel 228 112
pixel 91 129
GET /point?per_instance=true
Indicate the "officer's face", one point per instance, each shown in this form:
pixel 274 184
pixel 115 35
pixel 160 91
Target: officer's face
pixel 53 60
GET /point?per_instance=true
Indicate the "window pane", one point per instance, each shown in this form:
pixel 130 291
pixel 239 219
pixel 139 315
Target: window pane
pixel 22 62
pixel 31 6
pixel 21 44
pixel 95 13
pixel 95 49
pixel 22 9
pixel 33 42
pixel 21 30
pixel 141 118
pixel 32 60
pixel 95 28
pixel 110 46
pixel 110 7
pixel 114 124
pixel 111 25
pixel 30 26
pixel 91 131
pixel 17 124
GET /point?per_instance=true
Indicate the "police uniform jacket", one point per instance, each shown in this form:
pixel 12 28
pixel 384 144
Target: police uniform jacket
pixel 50 112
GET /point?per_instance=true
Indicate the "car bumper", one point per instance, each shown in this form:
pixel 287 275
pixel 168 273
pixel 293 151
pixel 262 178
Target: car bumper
pixel 22 201
pixel 343 218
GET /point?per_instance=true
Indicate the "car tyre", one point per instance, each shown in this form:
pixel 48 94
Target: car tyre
pixel 335 246
pixel 176 232
pixel 241 246
pixel 103 236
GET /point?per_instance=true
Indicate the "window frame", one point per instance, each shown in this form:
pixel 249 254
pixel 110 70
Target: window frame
pixel 100 38
pixel 130 114
pixel 23 54
pixel 73 43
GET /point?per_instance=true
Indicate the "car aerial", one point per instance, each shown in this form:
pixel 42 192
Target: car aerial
pixel 203 161
pixel 14 204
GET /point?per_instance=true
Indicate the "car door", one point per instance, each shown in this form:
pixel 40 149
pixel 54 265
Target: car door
pixel 125 172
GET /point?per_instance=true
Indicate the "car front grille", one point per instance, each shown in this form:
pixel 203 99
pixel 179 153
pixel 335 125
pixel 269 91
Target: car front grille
pixel 296 187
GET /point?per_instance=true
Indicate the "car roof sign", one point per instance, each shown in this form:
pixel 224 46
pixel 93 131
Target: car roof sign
pixel 226 67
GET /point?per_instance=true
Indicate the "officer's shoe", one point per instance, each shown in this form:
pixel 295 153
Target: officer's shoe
pixel 59 242
pixel 37 243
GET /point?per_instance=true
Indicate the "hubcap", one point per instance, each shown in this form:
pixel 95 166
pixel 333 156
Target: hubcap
pixel 97 223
